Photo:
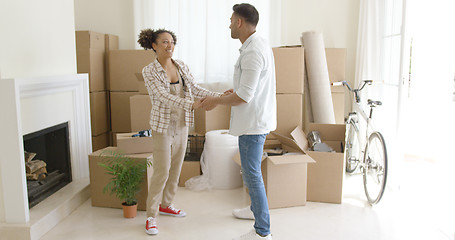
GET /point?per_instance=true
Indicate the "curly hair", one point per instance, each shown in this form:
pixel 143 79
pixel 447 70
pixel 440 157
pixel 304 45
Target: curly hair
pixel 149 36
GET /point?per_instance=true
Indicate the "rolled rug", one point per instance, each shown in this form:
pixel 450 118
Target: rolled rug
pixel 318 78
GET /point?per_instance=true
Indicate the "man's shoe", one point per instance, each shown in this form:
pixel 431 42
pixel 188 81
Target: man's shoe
pixel 253 236
pixel 171 211
pixel 243 213
pixel 150 226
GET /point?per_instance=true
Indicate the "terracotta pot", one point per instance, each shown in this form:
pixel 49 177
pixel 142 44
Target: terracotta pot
pixel 129 211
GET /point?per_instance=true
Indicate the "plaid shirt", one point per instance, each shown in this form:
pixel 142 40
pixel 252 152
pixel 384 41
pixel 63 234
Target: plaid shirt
pixel 157 84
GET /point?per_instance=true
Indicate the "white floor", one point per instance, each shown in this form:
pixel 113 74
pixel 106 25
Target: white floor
pixel 420 208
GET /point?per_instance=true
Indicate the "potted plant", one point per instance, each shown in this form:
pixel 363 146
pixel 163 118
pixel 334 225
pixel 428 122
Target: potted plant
pixel 127 175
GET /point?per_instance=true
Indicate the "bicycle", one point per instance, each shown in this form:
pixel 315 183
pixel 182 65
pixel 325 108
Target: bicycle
pixel 372 162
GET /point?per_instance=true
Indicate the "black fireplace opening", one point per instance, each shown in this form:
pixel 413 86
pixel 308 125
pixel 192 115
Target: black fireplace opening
pixel 51 146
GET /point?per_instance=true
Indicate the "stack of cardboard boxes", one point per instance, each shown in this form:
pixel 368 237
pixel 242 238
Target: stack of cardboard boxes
pixel 91 51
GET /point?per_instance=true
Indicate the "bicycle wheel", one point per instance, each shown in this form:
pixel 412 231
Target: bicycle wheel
pixel 352 147
pixel 375 168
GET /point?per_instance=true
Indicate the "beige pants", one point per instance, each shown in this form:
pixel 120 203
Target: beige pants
pixel 168 153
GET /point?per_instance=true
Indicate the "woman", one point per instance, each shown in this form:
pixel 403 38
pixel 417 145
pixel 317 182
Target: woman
pixel 172 90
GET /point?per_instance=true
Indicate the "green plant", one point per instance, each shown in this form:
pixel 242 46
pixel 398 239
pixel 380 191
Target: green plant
pixel 127 175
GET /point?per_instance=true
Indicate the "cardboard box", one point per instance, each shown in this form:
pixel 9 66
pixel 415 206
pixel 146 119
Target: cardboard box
pixel 90 50
pixel 132 145
pixel 101 141
pixel 99 113
pixel 123 64
pixel 285 176
pixel 289 69
pixel 326 176
pixel 289 113
pixel 120 111
pixel 336 64
pixel 189 169
pixel 99 179
pixel 141 84
pixel 111 43
pixel 140 108
pixel 216 119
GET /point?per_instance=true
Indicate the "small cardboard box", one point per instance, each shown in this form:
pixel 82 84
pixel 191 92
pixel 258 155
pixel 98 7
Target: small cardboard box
pixel 120 111
pixel 124 64
pixel 216 119
pixel 289 69
pixel 99 179
pixel 99 113
pixel 90 50
pixel 325 177
pixel 140 107
pixel 100 141
pixel 285 176
pixel 127 144
pixel 189 169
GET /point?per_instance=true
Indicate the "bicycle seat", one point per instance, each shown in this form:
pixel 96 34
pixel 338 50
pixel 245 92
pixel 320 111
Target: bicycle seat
pixel 373 103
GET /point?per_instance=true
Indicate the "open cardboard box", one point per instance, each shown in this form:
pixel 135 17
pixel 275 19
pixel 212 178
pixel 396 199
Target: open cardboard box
pixel 285 176
pixel 127 144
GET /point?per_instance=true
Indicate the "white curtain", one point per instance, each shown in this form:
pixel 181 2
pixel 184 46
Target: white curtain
pixel 203 34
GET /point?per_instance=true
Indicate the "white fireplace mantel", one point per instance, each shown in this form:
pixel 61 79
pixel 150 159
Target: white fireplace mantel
pixel 12 165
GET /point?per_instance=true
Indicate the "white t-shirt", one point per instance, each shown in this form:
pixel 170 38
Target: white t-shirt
pixel 254 82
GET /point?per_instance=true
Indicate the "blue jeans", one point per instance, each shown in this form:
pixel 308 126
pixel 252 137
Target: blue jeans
pixel 251 149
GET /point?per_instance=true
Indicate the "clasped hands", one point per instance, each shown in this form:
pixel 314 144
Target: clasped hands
pixel 209 103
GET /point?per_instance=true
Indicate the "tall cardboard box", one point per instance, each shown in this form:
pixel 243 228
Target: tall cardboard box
pixel 99 112
pixel 326 175
pixel 289 69
pixel 100 141
pixel 285 176
pixel 140 107
pixel 124 64
pixel 111 43
pixel 289 112
pixel 99 179
pixel 120 111
pixel 216 119
pixel 90 50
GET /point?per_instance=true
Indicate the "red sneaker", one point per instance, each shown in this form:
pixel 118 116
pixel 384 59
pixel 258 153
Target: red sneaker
pixel 171 211
pixel 150 226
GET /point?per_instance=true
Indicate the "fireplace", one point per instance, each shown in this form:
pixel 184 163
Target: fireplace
pixel 51 147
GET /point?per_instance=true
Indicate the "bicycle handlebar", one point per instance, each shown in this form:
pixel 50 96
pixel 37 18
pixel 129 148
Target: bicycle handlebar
pixel 356 90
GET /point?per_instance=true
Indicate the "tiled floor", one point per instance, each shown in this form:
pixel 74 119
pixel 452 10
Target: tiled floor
pixel 421 208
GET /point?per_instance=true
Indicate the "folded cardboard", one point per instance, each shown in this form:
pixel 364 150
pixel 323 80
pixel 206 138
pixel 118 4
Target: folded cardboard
pixel 326 175
pixel 99 179
pixel 216 119
pixel 142 89
pixel 289 112
pixel 99 112
pixel 90 50
pixel 140 107
pixel 128 144
pixel 111 43
pixel 285 176
pixel 100 141
pixel 289 69
pixel 189 169
pixel 124 64
pixel 120 111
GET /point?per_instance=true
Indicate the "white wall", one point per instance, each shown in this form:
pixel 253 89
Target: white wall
pixel 107 16
pixel 336 19
pixel 37 38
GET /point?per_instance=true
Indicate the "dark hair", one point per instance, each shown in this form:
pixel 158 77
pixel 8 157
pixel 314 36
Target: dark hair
pixel 248 12
pixel 149 36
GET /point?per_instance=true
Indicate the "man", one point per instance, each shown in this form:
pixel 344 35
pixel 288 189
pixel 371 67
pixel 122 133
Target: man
pixel 253 112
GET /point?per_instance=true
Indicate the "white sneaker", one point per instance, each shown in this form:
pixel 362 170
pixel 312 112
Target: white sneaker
pixel 150 226
pixel 253 236
pixel 243 213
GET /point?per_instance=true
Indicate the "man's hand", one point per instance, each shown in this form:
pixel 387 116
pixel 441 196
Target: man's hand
pixel 209 103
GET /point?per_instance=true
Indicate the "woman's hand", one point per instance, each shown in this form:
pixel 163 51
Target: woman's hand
pixel 227 92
